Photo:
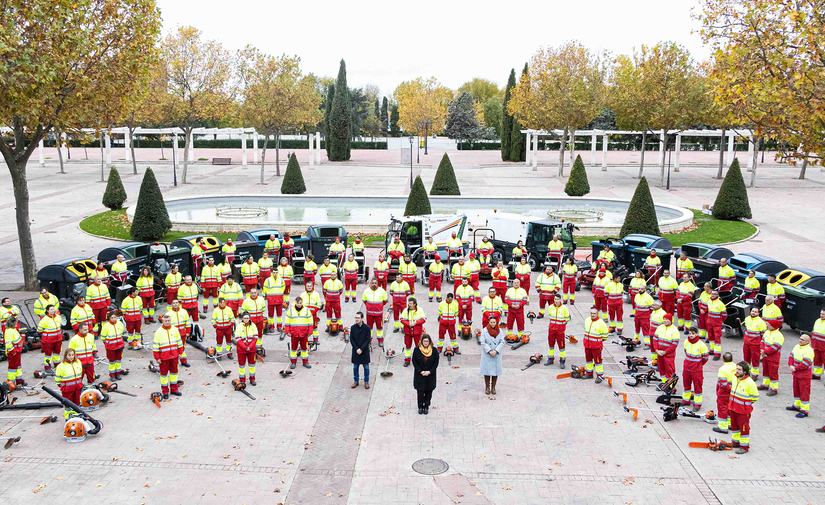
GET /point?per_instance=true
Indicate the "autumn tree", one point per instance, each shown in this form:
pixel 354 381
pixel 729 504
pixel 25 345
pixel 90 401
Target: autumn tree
pixel 422 100
pixel 51 75
pixel 143 107
pixel 480 89
pixel 565 89
pixel 340 119
pixel 199 83
pixel 506 117
pixel 276 96
pixel 461 119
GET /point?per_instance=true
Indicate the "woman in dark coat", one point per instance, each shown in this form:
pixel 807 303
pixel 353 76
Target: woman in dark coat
pixel 425 361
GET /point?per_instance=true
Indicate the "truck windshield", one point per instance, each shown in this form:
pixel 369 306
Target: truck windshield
pixel 566 237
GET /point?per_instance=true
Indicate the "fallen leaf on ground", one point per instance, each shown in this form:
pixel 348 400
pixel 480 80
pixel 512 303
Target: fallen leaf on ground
pixel 39 487
pixel 506 488
pixel 114 459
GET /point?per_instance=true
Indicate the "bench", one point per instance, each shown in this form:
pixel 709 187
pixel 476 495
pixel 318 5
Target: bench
pixel 221 161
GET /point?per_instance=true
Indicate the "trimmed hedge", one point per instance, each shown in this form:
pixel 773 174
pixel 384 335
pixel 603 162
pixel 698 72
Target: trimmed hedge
pixel 293 183
pixel 115 193
pixel 151 218
pixel 236 144
pixel 577 184
pixel 732 200
pixel 641 214
pixel 444 182
pixel 418 203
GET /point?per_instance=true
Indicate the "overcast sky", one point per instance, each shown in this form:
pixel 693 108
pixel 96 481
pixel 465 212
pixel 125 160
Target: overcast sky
pixel 385 43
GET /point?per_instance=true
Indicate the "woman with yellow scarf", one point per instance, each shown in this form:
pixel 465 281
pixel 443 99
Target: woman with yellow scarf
pixel 425 361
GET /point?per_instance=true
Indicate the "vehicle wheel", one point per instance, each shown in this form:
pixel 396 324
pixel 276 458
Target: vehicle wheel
pixel 578 286
pixel 65 321
pixel 534 265
pixel 497 255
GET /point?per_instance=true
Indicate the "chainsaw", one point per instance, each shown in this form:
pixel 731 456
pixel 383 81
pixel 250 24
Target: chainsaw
pixel 532 316
pixel 524 339
pixel 712 444
pixel 534 359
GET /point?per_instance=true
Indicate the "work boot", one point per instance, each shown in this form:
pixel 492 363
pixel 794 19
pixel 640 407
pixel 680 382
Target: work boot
pixel 540 316
pixel 252 381
pixel 457 352
pixel 740 450
pixel 307 365
pixel 762 387
pixel 561 363
pixel 815 377
pixel 438 299
pixel 185 364
pixel 717 358
pixel 612 330
pixel 366 385
pixel 165 397
pixel 696 408
pixel 396 330
pixel 564 302
pixel 771 393
pixel 572 302
pixel 599 380
pixel 719 430
pixel 431 298
pixel 791 407
pixel 354 385
pixel 406 364
pixel 230 356
pixel 177 393
pixel 820 430
pixel 292 366
pixel 801 415
pixel 548 362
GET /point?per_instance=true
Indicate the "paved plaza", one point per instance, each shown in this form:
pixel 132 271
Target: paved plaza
pixel 311 439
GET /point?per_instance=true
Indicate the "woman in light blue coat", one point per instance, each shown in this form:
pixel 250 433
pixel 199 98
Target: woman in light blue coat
pixel 492 342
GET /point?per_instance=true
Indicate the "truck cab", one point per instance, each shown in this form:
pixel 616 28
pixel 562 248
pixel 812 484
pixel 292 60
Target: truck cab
pixel 535 233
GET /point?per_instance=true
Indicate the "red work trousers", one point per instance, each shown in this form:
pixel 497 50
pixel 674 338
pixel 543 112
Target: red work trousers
pixel 568 286
pixel 446 328
pixel 171 296
pixel 593 356
pixel 525 282
pixel 100 314
pixel 382 281
pixel 435 284
pixel 72 394
pixel 169 366
pixel 751 354
pixel 88 371
pixel 245 357
pixel 377 322
pixel 207 292
pixel 275 308
pixel 465 311
pixel 50 349
pixel 193 312
pixel 722 401
pixel 668 302
pixel 397 309
pixel 616 313
pixel 770 369
pixel 350 285
pixel 149 301
pixel 693 380
pixel 334 309
pixel 409 338
pixel 515 316
pixel 741 423
pixel 133 326
pixel 819 357
pixel 411 282
pixel 715 335
pixel 683 309
pixel 247 286
pixel 555 337
pixel 223 334
pixel 600 302
pixel 666 365
pixel 802 388
pixel 14 361
pixel 642 324
pixel 299 343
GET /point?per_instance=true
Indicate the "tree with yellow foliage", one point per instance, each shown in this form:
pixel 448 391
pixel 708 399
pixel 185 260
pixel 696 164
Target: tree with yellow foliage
pixel 422 100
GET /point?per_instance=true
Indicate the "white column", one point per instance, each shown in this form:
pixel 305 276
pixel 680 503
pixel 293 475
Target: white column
pixel 731 155
pixel 127 143
pixel 593 149
pixel 108 144
pixel 661 146
pixel 311 154
pixel 40 156
pixel 255 148
pixel 243 150
pixel 750 152
pixel 604 152
pixel 317 148
pixel 535 152
pixel 192 147
pixel 678 148
pixel 527 161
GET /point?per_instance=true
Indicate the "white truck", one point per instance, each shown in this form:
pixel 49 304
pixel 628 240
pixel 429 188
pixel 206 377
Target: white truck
pixel 505 230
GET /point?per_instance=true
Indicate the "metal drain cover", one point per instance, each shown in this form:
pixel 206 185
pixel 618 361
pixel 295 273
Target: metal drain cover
pixel 430 466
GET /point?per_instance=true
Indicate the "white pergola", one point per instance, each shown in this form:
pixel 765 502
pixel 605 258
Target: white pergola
pixel 244 133
pixel 533 142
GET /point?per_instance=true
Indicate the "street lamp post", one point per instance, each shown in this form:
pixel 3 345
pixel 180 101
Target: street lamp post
pixel 411 165
pixel 426 134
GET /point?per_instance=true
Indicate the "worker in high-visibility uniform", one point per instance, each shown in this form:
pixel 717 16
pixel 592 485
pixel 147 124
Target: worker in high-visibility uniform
pixel 599 296
pixel 374 300
pixel 408 271
pixel 693 378
pixel 633 289
pixel 182 321
pixel 69 378
pixel 491 306
pixel 801 360
pixel 743 395
pixel 101 273
pixel 667 341
pixel 112 333
pixel 357 246
pixel 223 321
pixel 265 267
pixel 146 289
pixel 247 337
pixel 399 292
pixel 454 246
pixel 684 303
pixel 717 313
pixel 172 281
pixel 754 327
pixel 210 282
pixel 605 258
pixel 285 272
pixel 614 291
pixel 519 252
pixel 684 266
pixel 522 272
pixel 326 272
pixel 43 301
pixel 702 305
pixel 775 290
pixel 131 307
pixel 81 313
pixel 298 326
pixel 751 288
pixel 97 296
pixel 254 306
pixel 724 381
pixel 485 251
pixel 381 269
pixel 641 323
pixel 475 273
pixel 13 346
pixel 84 346
pixel 515 301
pixel 727 277
pixel 287 248
pixel 350 278
pixel 412 320
pixel 332 299
pixel 231 292
pixel 555 249
pixel 198 256
pixel 250 271
pixel 447 314
pixel 464 296
pixel 226 272
pixel 314 303
pixel 273 291
pixel 559 317
pixel 772 341
pixel 547 286
pixel 188 297
pixel 818 345
pixel 595 333
pixel 657 317
pixel 500 278
pixel 568 283
pixel 273 247
pixel 229 249
pixel 166 347
pixel 771 313
pixel 667 292
pixel 396 250
pixel 430 248
pixel 120 270
pixel 653 266
pixel 459 271
pixel 51 337
pixel 435 274
pixel 339 250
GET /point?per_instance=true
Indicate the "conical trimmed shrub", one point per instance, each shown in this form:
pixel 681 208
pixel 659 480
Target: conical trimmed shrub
pixel 577 184
pixel 293 183
pixel 641 214
pixel 732 200
pixel 444 182
pixel 418 203
pixel 151 218
pixel 115 193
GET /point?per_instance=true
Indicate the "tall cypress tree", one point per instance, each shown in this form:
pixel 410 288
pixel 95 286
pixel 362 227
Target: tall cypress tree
pixel 383 117
pixel 518 147
pixel 327 109
pixel 340 118
pixel 732 200
pixel 395 130
pixel 506 118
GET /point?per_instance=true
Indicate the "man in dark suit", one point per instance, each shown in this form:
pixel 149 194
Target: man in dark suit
pixel 359 336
